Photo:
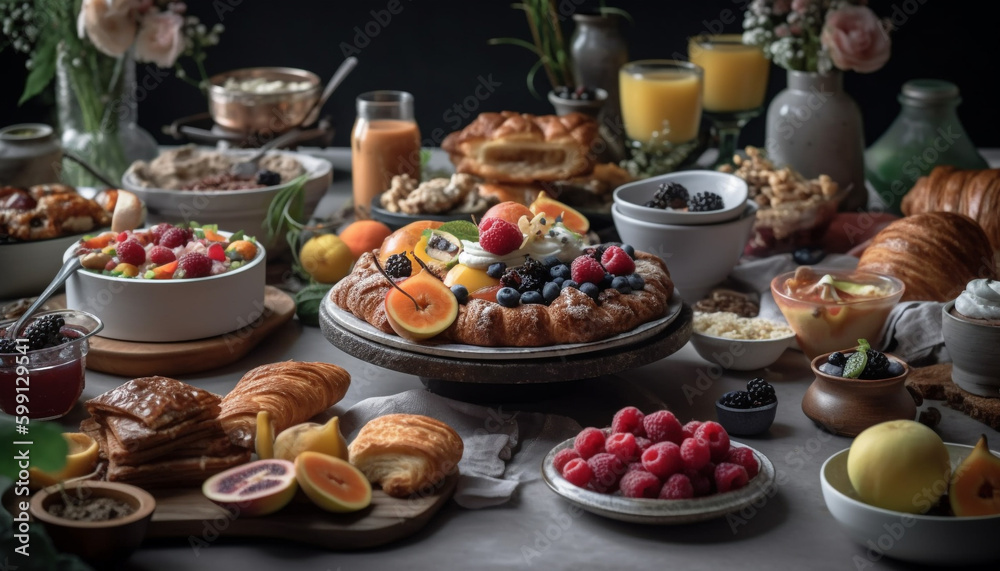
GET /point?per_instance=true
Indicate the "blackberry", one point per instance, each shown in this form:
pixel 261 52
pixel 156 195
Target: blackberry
pixel 669 194
pixel 268 178
pixel 8 346
pixel 533 275
pixel 45 332
pixel 579 93
pixel 705 202
pixel 837 359
pixel 398 266
pixel 877 366
pixel 761 392
pixel 736 399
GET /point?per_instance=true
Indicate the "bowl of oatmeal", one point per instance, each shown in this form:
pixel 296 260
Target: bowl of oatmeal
pixel 739 343
pixel 192 184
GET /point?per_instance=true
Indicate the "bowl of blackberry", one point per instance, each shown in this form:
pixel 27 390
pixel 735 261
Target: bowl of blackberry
pixel 748 412
pixel 684 198
pixel 856 388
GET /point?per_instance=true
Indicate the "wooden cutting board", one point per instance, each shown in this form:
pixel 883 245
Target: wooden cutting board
pixel 131 359
pixel 187 514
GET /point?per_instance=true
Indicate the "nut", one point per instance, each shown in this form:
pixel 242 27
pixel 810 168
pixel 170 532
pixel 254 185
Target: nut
pixel 95 260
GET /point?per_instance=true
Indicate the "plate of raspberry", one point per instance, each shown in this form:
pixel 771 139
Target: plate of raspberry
pixel 672 474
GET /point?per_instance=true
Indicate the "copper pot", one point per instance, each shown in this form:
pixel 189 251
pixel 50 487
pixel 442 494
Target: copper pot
pixel 264 113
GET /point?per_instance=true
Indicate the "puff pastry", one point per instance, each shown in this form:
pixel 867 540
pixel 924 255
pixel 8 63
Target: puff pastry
pixel 406 453
pixel 292 391
pixel 516 147
pixel 975 193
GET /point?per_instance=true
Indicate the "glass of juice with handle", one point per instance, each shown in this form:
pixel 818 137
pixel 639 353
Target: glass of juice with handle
pixel 385 142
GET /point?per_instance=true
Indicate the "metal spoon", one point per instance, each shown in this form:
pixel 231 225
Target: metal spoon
pixel 68 268
pixel 247 168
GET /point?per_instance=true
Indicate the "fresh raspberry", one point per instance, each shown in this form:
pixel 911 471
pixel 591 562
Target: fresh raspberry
pixel 617 261
pixel 158 230
pixel 122 236
pixel 639 484
pixel 633 466
pixel 563 457
pixel 173 237
pixel 486 223
pixel 717 437
pixel 729 476
pixel 217 252
pixel 195 265
pixel 708 470
pixel 663 459
pixel 578 472
pixel 585 269
pixel 500 237
pixel 622 445
pixel 643 443
pixel 590 441
pixel 160 255
pixel 701 483
pixel 131 252
pixel 690 428
pixel 663 426
pixel 677 487
pixel 695 453
pixel 744 457
pixel 607 468
pixel 629 419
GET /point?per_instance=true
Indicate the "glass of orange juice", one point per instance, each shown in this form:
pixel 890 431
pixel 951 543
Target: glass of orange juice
pixel 735 84
pixel 661 98
pixel 385 142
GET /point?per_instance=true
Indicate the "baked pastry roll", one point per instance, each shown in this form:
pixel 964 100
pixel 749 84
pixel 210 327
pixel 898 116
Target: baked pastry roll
pixel 516 147
pixel 405 453
pixel 292 391
pixel 975 193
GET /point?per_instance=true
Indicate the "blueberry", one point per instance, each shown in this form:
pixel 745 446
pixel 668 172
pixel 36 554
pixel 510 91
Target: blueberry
pixel 496 270
pixel 551 261
pixel 508 297
pixel 461 293
pixel 620 283
pixel 532 296
pixel 268 178
pixel 895 369
pixel 550 291
pixel 590 289
pixel 606 282
pixel 832 370
pixel 560 271
pixel 629 250
pixel 636 282
pixel 570 283
pixel 837 359
pixel 808 256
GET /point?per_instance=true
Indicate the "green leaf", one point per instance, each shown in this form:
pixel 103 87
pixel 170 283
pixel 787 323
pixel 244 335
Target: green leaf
pixel 46 452
pixel 618 11
pixel 308 301
pixel 517 42
pixel 856 364
pixel 43 70
pixel 461 229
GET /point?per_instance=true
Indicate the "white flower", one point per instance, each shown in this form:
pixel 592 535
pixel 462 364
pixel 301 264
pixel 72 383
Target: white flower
pixel 160 40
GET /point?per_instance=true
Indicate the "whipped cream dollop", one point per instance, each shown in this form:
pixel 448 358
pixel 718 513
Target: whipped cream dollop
pixel 558 242
pixel 980 300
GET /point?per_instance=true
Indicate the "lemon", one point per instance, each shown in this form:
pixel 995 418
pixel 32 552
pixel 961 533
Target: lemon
pixel 81 459
pixel 326 258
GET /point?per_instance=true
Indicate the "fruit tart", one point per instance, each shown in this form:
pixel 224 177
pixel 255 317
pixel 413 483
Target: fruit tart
pixel 517 279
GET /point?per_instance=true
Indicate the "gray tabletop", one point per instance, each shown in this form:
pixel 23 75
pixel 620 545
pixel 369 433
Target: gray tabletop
pixel 792 529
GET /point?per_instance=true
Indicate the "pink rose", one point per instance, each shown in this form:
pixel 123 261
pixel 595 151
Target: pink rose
pixel 781 7
pixel 855 39
pixel 160 39
pixel 800 6
pixel 109 24
pixel 782 31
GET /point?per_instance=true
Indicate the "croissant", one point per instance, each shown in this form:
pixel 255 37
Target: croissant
pixel 291 391
pixel 406 453
pixel 935 254
pixel 975 193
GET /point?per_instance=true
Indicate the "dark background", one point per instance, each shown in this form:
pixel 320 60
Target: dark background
pixel 438 51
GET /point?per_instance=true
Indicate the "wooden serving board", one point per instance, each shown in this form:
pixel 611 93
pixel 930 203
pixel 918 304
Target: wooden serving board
pixel 132 359
pixel 188 514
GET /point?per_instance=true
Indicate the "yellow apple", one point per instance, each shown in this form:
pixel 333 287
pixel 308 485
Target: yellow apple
pixel 899 465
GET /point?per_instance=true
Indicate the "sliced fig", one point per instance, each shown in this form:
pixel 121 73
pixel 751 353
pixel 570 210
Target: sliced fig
pixel 255 488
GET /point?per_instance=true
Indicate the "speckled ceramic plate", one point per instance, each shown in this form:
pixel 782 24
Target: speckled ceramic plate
pixel 661 512
pixel 361 328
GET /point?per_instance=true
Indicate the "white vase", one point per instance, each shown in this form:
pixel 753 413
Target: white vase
pixel 815 127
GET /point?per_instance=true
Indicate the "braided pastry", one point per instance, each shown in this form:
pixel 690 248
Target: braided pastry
pixel 572 318
pixel 975 193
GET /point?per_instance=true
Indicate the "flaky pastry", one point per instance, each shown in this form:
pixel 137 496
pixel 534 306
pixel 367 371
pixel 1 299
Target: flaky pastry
pixel 406 453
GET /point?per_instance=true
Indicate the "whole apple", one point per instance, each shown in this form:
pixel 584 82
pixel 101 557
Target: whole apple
pixel 899 465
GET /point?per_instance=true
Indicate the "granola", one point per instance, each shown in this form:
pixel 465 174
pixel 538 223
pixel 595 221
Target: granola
pixel 458 194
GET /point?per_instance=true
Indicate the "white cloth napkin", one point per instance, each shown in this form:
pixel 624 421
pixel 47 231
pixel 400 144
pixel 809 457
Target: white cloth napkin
pixel 503 448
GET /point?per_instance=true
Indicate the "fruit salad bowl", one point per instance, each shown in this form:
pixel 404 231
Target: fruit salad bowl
pixel 631 198
pixel 922 539
pixel 153 309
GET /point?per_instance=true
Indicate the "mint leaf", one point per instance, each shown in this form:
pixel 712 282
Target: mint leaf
pixel 461 229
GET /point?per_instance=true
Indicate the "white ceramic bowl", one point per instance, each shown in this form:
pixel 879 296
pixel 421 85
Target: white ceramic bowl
pixel 924 539
pixel 699 257
pixel 740 354
pixel 158 311
pixel 631 197
pixel 234 209
pixel 29 266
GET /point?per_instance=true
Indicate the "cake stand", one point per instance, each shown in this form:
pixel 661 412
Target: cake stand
pixel 490 374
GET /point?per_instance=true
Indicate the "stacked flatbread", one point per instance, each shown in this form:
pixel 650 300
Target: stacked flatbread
pixel 158 431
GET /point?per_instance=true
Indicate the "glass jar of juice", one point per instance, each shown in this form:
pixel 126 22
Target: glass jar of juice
pixel 385 142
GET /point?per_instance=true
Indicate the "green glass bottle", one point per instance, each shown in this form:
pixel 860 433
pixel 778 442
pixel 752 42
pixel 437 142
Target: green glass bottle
pixel 927 133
